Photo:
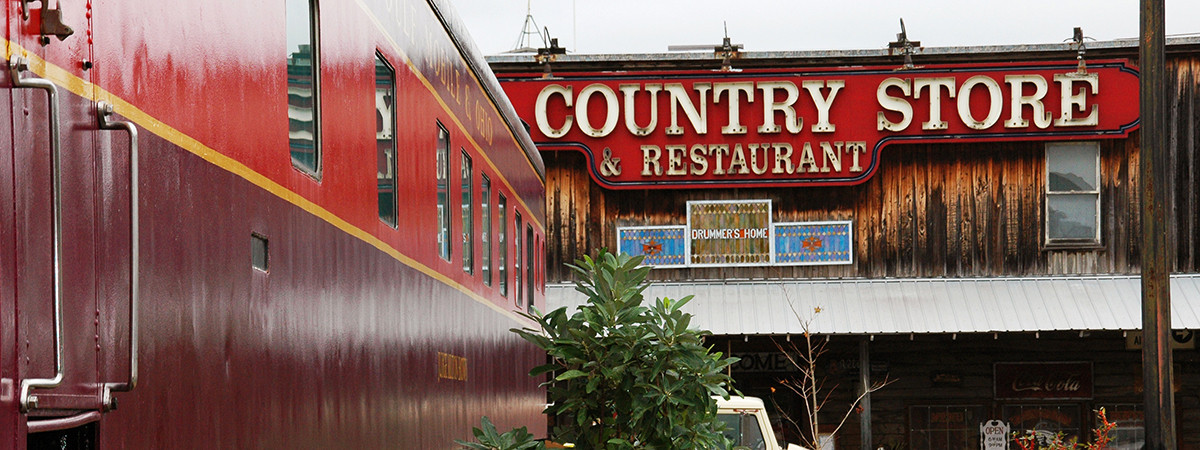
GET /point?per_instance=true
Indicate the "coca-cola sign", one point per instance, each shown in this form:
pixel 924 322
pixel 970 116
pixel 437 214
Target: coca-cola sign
pixel 1043 380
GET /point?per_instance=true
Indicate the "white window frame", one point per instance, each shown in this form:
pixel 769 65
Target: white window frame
pixel 1052 242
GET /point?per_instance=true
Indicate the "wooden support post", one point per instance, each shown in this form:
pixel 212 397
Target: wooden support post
pixel 1153 176
pixel 864 375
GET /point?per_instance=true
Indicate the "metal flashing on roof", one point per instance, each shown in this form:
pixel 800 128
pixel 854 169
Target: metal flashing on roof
pixel 904 306
pixel 851 57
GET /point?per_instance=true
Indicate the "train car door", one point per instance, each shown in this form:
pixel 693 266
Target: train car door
pixel 9 413
pixel 52 392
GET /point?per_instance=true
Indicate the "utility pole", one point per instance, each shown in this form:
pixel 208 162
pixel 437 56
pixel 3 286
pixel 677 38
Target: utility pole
pixel 1156 282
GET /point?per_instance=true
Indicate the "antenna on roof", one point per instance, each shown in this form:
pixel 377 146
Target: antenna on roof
pixel 525 43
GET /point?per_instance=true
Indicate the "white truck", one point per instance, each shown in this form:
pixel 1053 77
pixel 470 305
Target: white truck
pixel 747 424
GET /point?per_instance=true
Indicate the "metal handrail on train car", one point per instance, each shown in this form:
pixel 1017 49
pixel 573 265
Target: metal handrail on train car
pixel 103 111
pixel 16 65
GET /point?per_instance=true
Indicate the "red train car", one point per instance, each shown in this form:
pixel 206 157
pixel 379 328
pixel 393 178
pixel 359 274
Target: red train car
pixel 287 224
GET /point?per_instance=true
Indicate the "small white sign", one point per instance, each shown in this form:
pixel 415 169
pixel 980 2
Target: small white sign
pixel 993 435
pixel 1180 340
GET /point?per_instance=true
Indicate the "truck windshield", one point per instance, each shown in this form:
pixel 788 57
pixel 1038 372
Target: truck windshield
pixel 743 431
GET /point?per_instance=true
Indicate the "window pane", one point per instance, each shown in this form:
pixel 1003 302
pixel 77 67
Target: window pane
pixel 948 427
pixel 1071 216
pixel 485 239
pixel 443 192
pixel 529 280
pixel 1044 420
pixel 385 139
pixel 502 244
pixel 468 208
pixel 1130 430
pixel 1072 167
pixel 751 433
pixel 517 258
pixel 731 427
pixel 302 84
pixel 258 252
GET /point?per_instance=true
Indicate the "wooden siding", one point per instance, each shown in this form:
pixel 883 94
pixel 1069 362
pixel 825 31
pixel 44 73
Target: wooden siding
pixel 932 210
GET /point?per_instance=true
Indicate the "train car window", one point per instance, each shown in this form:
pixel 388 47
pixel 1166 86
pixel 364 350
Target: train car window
pixel 485 238
pixel 502 244
pixel 542 265
pixel 468 210
pixel 529 268
pixel 443 191
pixel 259 256
pixel 385 139
pixel 303 85
pixel 517 258
pixel 1073 194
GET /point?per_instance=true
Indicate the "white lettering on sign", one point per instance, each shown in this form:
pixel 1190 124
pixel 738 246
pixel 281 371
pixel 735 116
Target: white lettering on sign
pixel 1073 93
pixel 543 122
pixel 690 102
pixel 1059 383
pixel 773 157
pixel 732 233
pixel 1072 100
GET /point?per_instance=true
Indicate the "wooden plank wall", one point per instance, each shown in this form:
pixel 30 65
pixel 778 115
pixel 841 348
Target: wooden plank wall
pixel 931 210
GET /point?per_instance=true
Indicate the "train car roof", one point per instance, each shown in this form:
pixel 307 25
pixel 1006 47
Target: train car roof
pixel 457 31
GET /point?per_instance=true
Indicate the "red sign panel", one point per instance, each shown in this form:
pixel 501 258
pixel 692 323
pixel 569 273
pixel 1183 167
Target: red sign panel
pixel 1043 381
pixel 644 130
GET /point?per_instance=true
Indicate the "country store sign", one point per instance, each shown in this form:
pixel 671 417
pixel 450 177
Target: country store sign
pixel 826 126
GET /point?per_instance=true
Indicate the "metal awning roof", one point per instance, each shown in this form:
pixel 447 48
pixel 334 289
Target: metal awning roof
pixel 903 306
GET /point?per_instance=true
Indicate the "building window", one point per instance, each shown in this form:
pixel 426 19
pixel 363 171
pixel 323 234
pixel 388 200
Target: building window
pixel 1044 419
pixel 529 267
pixel 385 139
pixel 485 238
pixel 948 427
pixel 1130 430
pixel 502 244
pixel 303 85
pixel 443 192
pixel 468 210
pixel 1073 193
pixel 517 258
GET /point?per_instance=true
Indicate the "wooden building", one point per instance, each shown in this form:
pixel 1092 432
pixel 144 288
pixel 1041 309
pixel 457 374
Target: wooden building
pixel 967 225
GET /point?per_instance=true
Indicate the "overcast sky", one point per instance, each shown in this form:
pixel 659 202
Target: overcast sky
pixel 641 26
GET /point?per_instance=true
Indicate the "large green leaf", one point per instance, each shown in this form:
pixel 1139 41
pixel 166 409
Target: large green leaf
pixel 570 374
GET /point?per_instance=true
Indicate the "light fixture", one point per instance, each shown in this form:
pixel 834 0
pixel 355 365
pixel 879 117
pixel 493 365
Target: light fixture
pixel 904 46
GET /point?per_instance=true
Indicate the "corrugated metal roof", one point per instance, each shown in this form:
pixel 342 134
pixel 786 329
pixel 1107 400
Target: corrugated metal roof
pixel 902 306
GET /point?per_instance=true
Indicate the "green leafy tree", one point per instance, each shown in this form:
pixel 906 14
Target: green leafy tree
pixel 627 375
pixel 490 439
